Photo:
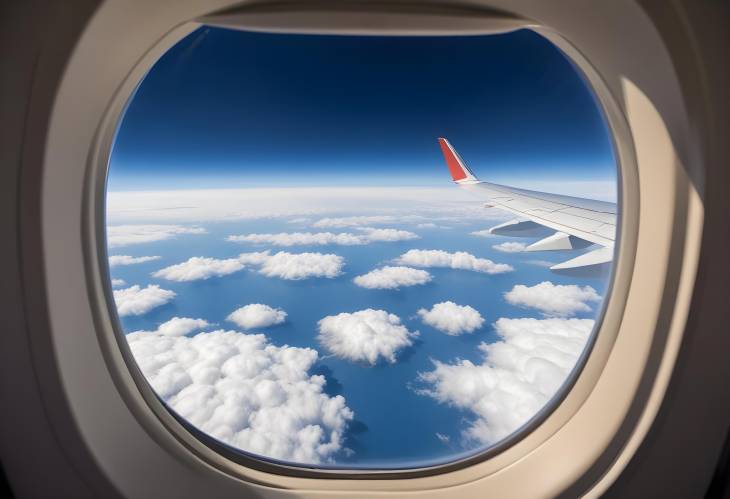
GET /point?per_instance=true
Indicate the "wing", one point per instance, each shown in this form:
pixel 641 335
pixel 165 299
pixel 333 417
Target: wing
pixel 578 222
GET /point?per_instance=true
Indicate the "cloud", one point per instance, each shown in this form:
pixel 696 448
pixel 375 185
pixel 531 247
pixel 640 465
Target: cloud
pixel 510 247
pixel 295 266
pixel 364 336
pixel 118 282
pixel 199 267
pixel 178 326
pixel 459 260
pixel 257 315
pixel 553 300
pixel 482 233
pixel 329 207
pixel 392 278
pixel 341 222
pixel 137 301
pixel 124 235
pixel 429 225
pixel 516 378
pixel 369 235
pixel 443 438
pixel 116 260
pixel 248 393
pixel 452 319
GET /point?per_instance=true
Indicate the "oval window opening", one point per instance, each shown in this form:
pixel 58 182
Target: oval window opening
pixel 360 252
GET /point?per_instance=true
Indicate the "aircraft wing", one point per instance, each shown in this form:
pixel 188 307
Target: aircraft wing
pixel 578 222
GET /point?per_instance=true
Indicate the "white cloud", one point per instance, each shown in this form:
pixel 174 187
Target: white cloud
pixel 178 326
pixel 392 278
pixel 369 235
pixel 246 392
pixel 452 319
pixel 365 335
pixel 118 282
pixel 387 235
pixel 124 235
pixel 482 233
pixel 116 260
pixel 386 205
pixel 510 247
pixel 295 266
pixel 199 267
pixel 517 377
pixel 553 300
pixel 443 438
pixel 137 301
pixel 257 315
pixel 341 222
pixel 458 260
pixel 430 225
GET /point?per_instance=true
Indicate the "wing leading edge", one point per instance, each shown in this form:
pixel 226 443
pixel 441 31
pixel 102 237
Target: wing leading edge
pixel 578 222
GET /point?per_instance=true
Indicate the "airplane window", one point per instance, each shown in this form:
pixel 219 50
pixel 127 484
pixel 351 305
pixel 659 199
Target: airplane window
pixel 361 252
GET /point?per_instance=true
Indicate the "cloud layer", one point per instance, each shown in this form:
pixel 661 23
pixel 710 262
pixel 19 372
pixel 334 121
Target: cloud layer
pixel 553 299
pixel 392 278
pixel 125 235
pixel 364 336
pixel 368 235
pixel 198 267
pixel 295 266
pixel 257 315
pixel 246 392
pixel 452 319
pixel 458 260
pixel 137 301
pixel 517 377
pixel 117 260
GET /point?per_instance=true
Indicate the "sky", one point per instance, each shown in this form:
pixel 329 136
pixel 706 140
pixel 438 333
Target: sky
pixel 227 108
pixel 297 276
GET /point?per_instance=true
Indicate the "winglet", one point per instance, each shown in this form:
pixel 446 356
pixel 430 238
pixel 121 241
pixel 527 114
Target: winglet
pixel 457 167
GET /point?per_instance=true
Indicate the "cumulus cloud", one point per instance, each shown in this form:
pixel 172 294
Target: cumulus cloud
pixel 199 267
pixel 364 336
pixel 116 260
pixel 178 326
pixel 137 301
pixel 452 319
pixel 516 378
pixel 482 233
pixel 392 278
pixel 124 235
pixel 295 266
pixel 510 247
pixel 369 235
pixel 553 299
pixel 257 315
pixel 458 260
pixel 246 392
pixel 118 282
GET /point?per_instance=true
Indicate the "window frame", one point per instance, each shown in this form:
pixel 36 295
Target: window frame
pixel 158 424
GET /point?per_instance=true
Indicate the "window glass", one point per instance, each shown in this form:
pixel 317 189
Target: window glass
pixel 360 252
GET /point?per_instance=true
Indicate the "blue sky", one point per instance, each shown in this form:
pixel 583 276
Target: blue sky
pixel 297 275
pixel 227 108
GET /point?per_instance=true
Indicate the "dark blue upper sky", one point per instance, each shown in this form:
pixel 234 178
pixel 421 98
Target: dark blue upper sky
pixel 233 109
